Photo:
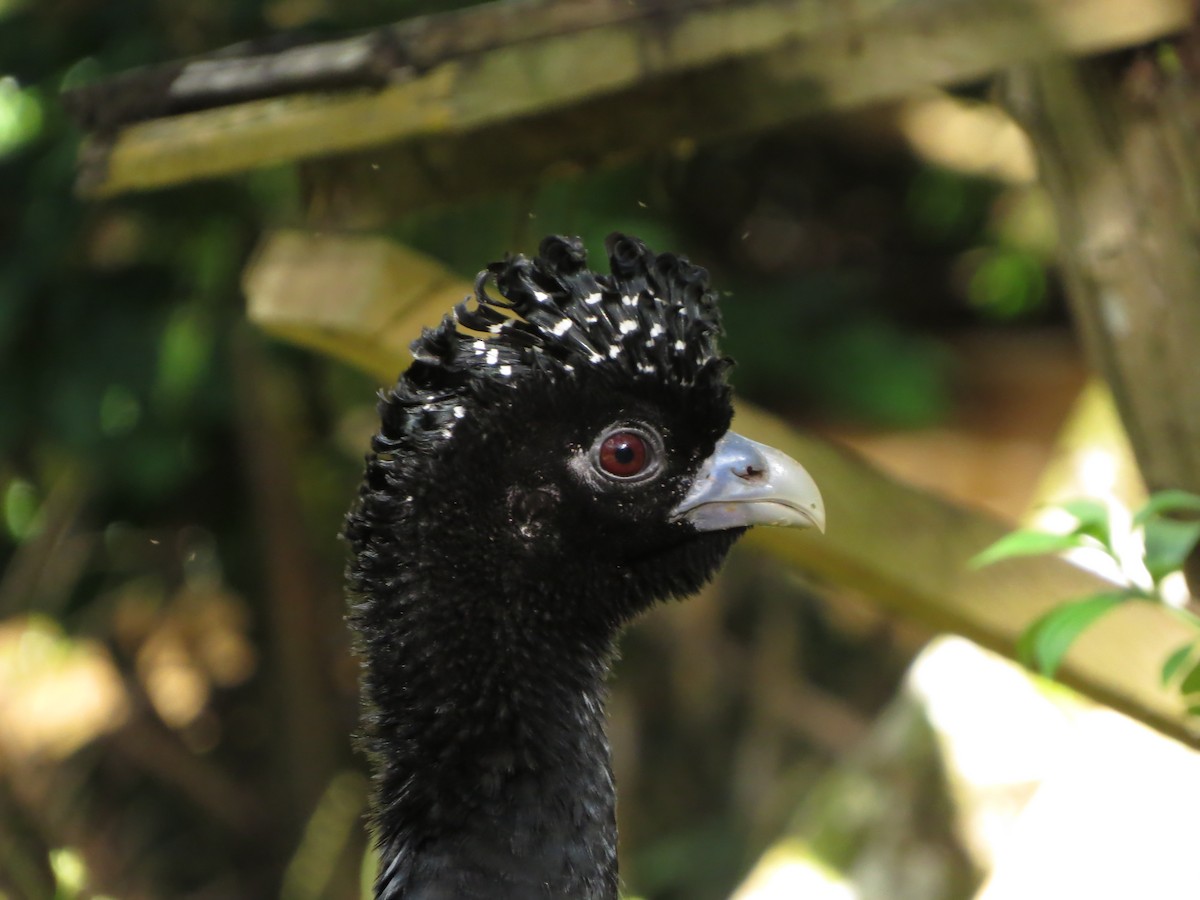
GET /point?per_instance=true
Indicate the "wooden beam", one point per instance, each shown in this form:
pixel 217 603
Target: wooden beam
pixel 822 54
pixel 905 548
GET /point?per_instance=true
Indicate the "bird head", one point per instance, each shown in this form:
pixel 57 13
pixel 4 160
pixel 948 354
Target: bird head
pixel 565 433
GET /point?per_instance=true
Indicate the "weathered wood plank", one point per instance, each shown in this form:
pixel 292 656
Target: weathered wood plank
pixel 905 548
pixel 823 54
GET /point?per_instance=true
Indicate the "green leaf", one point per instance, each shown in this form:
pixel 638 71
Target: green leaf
pixel 1175 662
pixel 1167 502
pixel 1193 711
pixel 1044 643
pixel 1191 683
pixel 1026 542
pixel 1027 645
pixel 1168 544
pixel 1092 519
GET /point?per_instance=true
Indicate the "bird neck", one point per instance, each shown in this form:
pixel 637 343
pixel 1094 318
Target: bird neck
pixel 488 731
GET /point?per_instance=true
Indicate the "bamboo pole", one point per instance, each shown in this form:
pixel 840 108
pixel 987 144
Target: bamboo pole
pixel 801 56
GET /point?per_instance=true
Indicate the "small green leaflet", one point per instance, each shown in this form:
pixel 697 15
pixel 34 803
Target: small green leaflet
pixel 1044 643
pixel 1170 526
pixel 1167 502
pixel 1027 542
pixel 1175 662
pixel 1168 543
pixel 1092 519
pixel 1191 683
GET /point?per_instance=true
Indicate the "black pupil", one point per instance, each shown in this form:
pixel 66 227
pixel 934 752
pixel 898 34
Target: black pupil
pixel 624 453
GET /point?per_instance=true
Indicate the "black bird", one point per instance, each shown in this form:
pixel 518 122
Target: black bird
pixel 555 460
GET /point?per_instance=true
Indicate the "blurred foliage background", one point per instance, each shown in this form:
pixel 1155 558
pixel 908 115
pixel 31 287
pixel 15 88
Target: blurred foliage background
pixel 175 694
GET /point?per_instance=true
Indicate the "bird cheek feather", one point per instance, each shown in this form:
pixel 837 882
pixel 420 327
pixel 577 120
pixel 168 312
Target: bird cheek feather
pixel 530 512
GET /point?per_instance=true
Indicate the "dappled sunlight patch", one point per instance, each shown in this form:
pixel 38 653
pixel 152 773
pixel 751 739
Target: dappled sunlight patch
pixel 999 730
pixel 791 869
pixel 1054 796
pixel 1115 818
pixel 60 692
pixel 968 136
pixel 174 683
pixel 198 643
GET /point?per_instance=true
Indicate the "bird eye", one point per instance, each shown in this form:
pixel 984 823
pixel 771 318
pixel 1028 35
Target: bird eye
pixel 624 454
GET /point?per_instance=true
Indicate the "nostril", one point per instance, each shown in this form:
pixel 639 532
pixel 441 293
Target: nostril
pixel 750 473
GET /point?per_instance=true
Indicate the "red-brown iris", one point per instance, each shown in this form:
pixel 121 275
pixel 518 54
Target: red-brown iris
pixel 624 454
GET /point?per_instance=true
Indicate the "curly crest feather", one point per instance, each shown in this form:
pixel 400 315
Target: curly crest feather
pixel 653 318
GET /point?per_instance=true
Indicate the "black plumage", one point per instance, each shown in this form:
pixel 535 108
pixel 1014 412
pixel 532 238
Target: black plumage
pixel 542 473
